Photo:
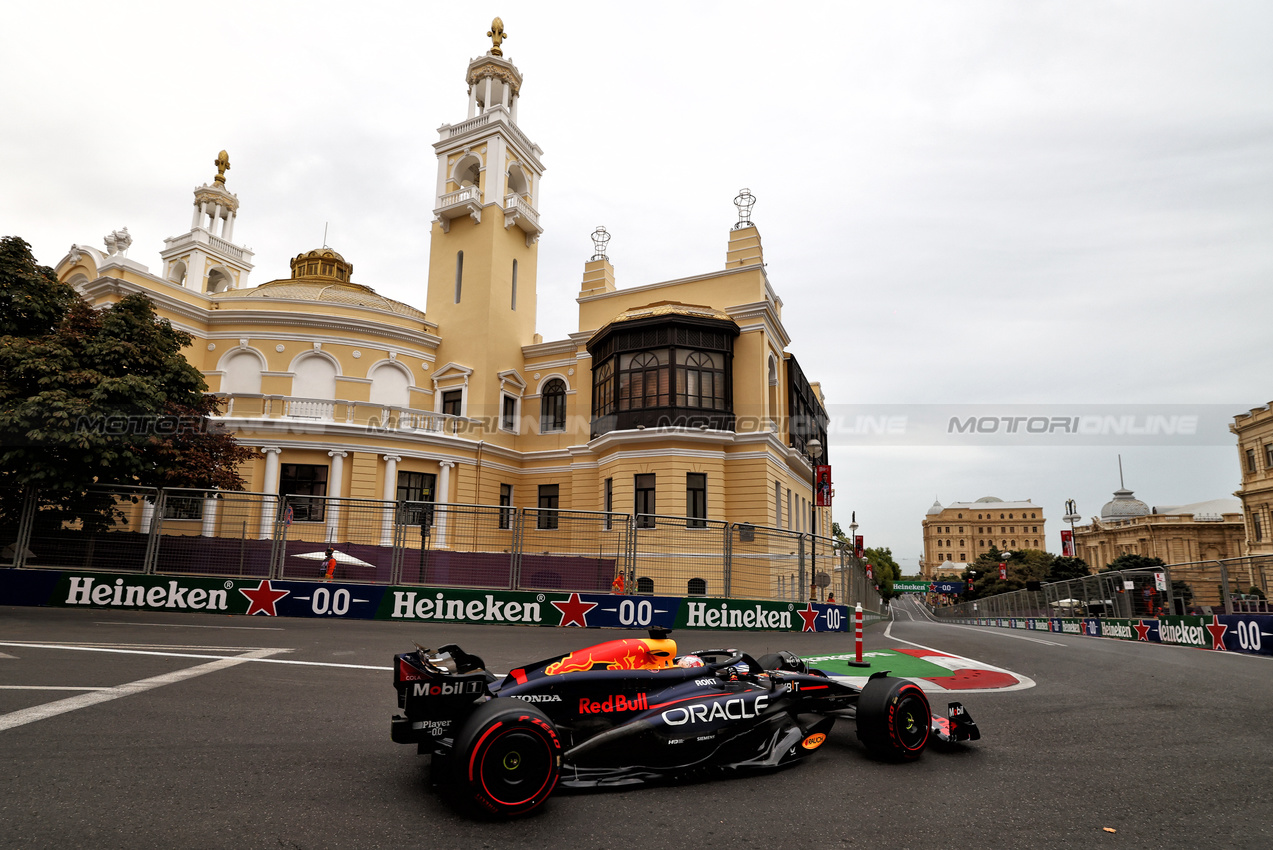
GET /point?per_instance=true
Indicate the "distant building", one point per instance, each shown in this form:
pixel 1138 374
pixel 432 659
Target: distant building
pixel 963 531
pixel 1193 538
pixel 1254 431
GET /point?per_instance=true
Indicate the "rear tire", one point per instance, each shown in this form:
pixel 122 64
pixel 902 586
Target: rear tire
pixel 893 719
pixel 507 758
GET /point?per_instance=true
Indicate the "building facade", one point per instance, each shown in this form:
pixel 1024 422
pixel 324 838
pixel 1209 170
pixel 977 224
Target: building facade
pixel 1193 538
pixel 961 532
pixel 1254 431
pixel 677 398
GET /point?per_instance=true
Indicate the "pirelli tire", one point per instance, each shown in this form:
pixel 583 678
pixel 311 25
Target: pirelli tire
pixel 507 758
pixel 893 719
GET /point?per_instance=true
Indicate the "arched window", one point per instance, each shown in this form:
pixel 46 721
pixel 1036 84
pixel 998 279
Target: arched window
pixel 645 585
pixel 552 406
pixel 643 380
pixel 696 587
pixel 390 385
pixel 315 378
pixel 218 281
pixel 700 379
pixel 242 373
pixel 603 389
pixel 177 274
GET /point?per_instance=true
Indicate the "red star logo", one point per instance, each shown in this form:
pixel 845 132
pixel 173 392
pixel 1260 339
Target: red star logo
pixel 574 611
pixel 263 598
pixel 810 618
pixel 1217 630
pixel 1142 630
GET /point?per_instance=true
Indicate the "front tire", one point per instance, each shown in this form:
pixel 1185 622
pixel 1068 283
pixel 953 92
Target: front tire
pixel 507 758
pixel 893 719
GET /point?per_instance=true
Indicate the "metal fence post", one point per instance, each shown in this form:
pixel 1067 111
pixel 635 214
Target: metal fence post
pixel 25 523
pixel 727 548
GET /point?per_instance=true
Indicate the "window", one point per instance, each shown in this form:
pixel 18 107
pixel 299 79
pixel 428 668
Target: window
pixel 643 505
pixel 963 557
pixel 191 507
pixel 778 504
pixel 508 413
pixel 603 389
pixel 644 380
pixel 608 502
pixel 1256 526
pixel 696 499
pixel 1034 529
pixel 452 400
pixel 415 489
pixel 700 379
pixel 548 504
pixel 552 406
pixel 696 587
pixel 304 480
pixel 1250 460
pixel 459 274
pixel 645 585
pixel 1268 455
pixel 506 502
pixel 514 284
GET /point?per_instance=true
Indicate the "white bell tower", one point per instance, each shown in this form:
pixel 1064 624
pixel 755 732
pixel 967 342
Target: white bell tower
pixel 206 259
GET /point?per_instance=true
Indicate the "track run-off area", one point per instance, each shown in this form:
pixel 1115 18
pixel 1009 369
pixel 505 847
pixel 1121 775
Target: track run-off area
pixel 147 729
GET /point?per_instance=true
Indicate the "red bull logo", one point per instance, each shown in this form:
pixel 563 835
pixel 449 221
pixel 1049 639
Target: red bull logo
pixel 632 654
pixel 610 704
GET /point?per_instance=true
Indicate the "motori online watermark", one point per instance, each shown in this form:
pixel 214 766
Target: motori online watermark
pixel 844 425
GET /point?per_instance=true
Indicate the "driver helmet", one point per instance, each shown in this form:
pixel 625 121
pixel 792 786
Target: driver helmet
pixel 689 661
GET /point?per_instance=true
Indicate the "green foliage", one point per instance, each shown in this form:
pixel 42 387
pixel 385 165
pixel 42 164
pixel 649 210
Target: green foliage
pixel 1133 562
pixel 98 397
pixel 884 567
pixel 1067 568
pixel 32 299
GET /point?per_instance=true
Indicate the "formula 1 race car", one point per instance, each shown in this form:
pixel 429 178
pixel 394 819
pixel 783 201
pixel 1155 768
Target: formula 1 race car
pixel 632 711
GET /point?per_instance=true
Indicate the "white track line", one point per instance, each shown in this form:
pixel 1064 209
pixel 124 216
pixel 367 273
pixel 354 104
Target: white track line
pixel 62 706
pixel 181 626
pixel 250 656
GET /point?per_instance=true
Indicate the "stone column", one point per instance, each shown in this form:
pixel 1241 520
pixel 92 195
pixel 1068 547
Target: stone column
pixel 209 517
pixel 335 481
pixel 442 497
pixel 269 485
pixel 390 495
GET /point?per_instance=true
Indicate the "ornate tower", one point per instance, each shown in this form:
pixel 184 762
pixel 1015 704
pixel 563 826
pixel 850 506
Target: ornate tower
pixel 483 253
pixel 205 259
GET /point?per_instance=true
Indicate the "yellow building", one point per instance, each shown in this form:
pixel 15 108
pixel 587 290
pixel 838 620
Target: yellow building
pixel 1254 431
pixel 961 532
pixel 1191 538
pixel 674 398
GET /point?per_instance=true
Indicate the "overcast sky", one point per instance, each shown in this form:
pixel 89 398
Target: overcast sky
pixel 961 203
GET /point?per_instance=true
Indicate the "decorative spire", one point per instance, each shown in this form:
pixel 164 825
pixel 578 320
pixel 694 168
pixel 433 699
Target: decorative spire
pixel 745 201
pixel 497 36
pixel 599 240
pixel 222 162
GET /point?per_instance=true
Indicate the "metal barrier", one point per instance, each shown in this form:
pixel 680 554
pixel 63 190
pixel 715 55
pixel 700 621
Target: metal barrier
pixel 214 532
pixel 263 535
pixel 1196 587
pixel 681 556
pixel 574 550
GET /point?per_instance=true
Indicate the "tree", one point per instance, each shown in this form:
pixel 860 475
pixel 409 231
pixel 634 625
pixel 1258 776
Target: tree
pixel 98 397
pixel 886 569
pixel 1063 569
pixel 1129 561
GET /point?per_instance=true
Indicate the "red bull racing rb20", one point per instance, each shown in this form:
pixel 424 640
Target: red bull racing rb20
pixel 633 711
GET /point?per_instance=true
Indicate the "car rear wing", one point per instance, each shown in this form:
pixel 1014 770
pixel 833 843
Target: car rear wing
pixel 435 688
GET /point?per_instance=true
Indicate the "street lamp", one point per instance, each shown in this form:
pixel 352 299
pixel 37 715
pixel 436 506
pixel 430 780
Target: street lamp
pixel 1072 516
pixel 814 448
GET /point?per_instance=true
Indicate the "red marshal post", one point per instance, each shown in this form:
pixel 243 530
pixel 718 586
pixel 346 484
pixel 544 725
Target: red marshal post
pixel 857 639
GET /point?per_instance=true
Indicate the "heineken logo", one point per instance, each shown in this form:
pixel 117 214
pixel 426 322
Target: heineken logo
pixel 86 590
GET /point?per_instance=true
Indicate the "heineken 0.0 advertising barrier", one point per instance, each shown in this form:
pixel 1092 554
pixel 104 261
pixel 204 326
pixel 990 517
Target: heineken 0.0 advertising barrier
pixel 274 598
pixel 1218 632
